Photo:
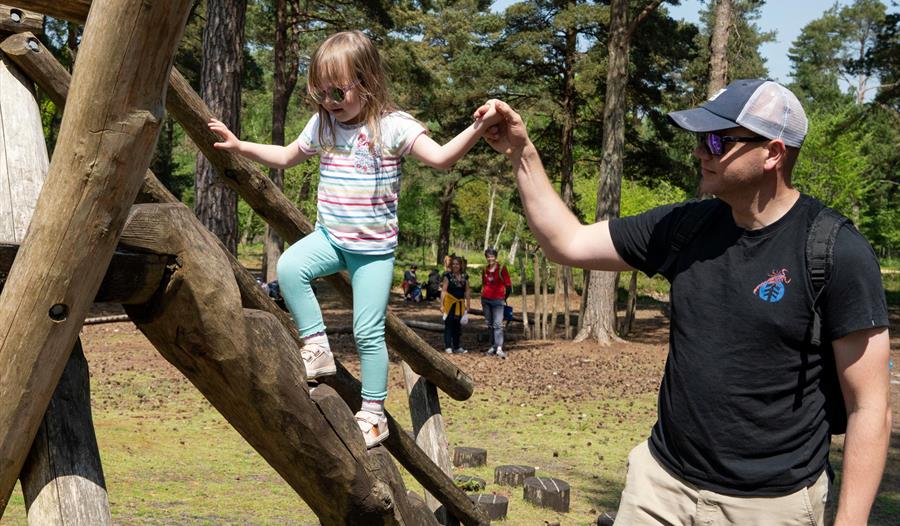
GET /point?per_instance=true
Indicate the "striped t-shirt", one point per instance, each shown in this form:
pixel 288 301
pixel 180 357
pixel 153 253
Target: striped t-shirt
pixel 358 191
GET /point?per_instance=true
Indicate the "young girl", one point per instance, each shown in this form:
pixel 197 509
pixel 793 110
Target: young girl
pixel 360 137
pixel 456 299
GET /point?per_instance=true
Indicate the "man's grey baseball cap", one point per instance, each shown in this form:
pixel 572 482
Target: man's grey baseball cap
pixel 761 106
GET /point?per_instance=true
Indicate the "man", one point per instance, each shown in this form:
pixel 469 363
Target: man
pixel 741 436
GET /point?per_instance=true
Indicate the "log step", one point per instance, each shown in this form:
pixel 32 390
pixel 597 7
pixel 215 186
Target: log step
pixel 547 492
pixel 423 515
pixel 512 475
pixel 469 457
pixel 468 483
pixel 607 518
pixel 496 506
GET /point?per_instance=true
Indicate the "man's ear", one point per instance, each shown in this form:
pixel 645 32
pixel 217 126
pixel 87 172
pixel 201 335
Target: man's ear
pixel 777 154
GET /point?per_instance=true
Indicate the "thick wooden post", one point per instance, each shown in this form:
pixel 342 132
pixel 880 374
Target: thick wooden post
pixel 428 428
pixel 104 148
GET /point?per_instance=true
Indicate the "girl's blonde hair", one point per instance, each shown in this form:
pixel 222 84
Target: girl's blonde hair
pixel 345 58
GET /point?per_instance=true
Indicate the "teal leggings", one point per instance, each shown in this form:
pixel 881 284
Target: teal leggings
pixel 371 277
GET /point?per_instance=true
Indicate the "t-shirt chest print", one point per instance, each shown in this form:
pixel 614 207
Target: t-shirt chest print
pixel 366 161
pixel 773 288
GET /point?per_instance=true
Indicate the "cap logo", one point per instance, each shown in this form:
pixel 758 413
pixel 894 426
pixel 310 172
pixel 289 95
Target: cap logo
pixel 716 95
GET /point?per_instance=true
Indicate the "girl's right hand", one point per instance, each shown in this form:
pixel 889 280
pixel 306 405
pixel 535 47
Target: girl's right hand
pixel 229 141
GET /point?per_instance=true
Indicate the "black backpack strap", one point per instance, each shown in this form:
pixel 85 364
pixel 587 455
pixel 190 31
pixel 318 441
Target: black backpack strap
pixel 820 260
pixel 695 216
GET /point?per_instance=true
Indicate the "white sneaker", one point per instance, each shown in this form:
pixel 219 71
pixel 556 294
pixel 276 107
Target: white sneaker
pixel 459 350
pixel 374 427
pixel 317 358
pixel 448 350
pixel 490 352
pixel 500 353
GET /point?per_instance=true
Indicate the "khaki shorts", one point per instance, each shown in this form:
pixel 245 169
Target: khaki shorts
pixel 653 496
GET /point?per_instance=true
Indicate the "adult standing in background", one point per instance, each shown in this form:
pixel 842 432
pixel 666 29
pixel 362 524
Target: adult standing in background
pixel 495 289
pixel 456 298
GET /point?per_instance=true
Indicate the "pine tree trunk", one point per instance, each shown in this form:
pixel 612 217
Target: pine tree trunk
pixel 285 80
pixel 523 266
pixel 490 218
pixel 718 48
pixel 600 313
pixel 553 310
pixel 567 281
pixel 223 38
pixel 446 209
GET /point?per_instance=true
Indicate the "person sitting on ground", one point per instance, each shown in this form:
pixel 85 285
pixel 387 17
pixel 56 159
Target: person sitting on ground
pixel 495 289
pixel 749 398
pixel 456 300
pixel 412 291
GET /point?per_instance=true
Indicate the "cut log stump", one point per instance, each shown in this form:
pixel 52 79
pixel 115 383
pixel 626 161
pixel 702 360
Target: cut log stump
pixel 496 506
pixel 422 513
pixel 469 457
pixel 607 518
pixel 547 492
pixel 512 475
pixel 468 483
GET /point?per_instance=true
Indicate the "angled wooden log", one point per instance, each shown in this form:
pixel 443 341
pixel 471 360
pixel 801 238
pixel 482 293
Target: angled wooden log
pixel 104 148
pixel 246 365
pixel 52 78
pixel 62 479
pixel 428 428
pixel 16 20
pixel 71 10
pixel 258 190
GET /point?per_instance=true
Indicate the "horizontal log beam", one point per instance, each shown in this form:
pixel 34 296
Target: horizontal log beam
pixel 15 20
pixel 131 278
pixel 71 10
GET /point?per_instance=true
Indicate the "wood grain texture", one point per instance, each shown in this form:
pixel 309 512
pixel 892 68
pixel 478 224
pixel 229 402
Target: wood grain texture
pixel 104 148
pixel 16 20
pixel 72 10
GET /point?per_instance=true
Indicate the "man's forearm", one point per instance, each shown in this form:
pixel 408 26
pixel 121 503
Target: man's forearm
pixel 865 451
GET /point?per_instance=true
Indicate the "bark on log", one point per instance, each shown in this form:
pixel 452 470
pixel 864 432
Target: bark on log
pixel 104 148
pixel 52 78
pixel 237 358
pixel 15 20
pixel 547 492
pixel 131 278
pixel 423 515
pixel 471 457
pixel 71 10
pixel 428 428
pixel 62 479
pixel 259 191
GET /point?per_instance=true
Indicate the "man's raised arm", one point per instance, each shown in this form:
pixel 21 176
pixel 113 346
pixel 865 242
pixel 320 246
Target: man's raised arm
pixel 562 237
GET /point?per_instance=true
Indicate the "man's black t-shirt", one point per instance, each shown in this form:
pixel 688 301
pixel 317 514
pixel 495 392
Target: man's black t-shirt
pixel 741 408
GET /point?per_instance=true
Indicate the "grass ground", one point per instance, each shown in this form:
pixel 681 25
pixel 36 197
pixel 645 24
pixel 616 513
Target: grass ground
pixel 573 411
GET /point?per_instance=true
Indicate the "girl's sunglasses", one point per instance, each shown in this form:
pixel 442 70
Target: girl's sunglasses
pixel 715 144
pixel 335 93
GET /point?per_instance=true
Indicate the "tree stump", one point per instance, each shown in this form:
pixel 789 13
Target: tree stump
pixel 512 475
pixel 547 492
pixel 495 506
pixel 468 483
pixel 469 457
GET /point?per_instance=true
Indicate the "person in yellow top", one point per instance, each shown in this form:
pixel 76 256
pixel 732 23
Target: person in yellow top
pixel 456 300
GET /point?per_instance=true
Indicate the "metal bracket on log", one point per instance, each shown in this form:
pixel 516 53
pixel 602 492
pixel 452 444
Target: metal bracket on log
pixel 15 20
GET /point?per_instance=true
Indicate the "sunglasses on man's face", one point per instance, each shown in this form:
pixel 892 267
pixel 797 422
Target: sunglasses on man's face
pixel 715 144
pixel 335 93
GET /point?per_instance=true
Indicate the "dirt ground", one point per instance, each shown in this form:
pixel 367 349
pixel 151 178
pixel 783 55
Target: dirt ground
pixel 574 372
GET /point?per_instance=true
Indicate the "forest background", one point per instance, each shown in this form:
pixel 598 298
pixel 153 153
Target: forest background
pixel 555 62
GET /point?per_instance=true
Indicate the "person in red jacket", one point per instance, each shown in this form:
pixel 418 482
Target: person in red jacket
pixel 495 288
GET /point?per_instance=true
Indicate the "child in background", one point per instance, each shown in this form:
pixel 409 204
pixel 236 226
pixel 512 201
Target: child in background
pixel 361 138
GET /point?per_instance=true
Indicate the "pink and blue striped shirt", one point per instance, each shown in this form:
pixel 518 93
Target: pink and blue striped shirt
pixel 358 190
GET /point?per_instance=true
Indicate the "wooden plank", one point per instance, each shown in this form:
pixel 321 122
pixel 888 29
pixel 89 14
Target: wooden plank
pixel 62 479
pixel 72 10
pixel 132 278
pixel 104 148
pixel 16 20
pixel 23 153
pixel 240 360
